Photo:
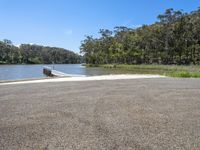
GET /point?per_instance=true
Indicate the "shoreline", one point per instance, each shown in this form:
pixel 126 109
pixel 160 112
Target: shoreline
pixel 87 78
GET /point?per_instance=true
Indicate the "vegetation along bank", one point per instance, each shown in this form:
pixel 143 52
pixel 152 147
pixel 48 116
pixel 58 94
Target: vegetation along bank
pixel 35 54
pixel 170 46
pixel 173 39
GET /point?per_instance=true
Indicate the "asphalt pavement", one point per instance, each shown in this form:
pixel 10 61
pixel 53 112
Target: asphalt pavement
pixel 160 113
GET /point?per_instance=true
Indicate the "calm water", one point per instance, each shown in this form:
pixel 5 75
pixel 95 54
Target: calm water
pixel 16 72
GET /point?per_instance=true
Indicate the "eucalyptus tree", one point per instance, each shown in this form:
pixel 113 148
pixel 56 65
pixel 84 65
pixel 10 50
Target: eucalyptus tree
pixel 35 54
pixel 174 39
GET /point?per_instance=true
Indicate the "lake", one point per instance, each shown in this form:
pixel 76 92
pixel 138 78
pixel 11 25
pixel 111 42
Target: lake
pixel 17 72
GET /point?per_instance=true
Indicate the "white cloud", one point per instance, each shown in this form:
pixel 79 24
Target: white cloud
pixel 17 45
pixel 129 23
pixel 68 32
pixel 136 26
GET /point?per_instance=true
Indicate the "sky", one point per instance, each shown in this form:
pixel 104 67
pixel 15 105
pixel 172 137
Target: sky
pixel 65 23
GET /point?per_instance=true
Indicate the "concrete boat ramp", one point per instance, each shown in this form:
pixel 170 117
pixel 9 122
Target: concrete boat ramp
pixel 51 72
pixel 61 74
pixel 86 78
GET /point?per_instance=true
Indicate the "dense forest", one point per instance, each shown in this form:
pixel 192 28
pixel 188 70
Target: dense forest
pixel 173 39
pixel 35 54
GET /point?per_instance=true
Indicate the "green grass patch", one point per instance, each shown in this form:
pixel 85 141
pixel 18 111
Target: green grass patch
pixel 192 71
pixel 185 74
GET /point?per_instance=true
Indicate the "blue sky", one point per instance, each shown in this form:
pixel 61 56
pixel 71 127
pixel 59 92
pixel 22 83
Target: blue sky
pixel 64 23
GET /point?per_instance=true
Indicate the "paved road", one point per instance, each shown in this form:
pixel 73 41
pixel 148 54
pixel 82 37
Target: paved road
pixel 122 114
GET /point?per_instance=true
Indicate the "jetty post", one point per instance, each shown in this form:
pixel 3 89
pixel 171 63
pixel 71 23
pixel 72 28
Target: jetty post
pixel 47 71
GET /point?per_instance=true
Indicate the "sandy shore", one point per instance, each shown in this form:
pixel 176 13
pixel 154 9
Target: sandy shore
pixel 89 78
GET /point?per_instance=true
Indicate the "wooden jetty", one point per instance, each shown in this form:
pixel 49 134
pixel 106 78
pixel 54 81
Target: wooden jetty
pixel 47 71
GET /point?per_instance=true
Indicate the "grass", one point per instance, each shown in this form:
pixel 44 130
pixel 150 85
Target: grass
pixel 182 71
pixel 186 74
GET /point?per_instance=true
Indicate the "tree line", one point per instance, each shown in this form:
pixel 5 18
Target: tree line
pixel 35 54
pixel 173 39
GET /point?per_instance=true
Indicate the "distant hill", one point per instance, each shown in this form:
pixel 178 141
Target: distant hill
pixel 35 54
